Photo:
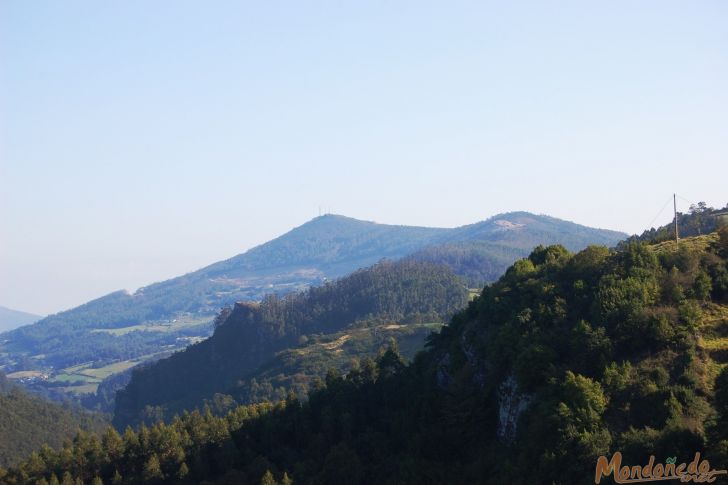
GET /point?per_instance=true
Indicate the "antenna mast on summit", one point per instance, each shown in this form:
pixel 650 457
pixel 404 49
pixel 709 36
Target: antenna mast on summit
pixel 674 207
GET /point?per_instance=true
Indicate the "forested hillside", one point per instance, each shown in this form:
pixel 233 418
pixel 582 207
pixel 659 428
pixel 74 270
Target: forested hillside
pixel 74 351
pixel 249 335
pixel 27 422
pixel 565 358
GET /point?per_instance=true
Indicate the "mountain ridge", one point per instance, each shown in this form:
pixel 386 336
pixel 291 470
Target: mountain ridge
pixel 129 328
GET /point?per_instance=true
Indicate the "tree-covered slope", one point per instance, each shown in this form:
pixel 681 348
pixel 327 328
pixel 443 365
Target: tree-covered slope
pixel 565 358
pixel 301 368
pixel 249 335
pixel 124 328
pixel 27 422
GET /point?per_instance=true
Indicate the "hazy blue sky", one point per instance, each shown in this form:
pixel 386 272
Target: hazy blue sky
pixel 142 140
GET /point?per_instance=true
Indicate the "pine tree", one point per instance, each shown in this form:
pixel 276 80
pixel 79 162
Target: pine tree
pixel 268 479
pixel 67 479
pixel 183 471
pixel 35 465
pixel 117 480
pixel 152 469
pixel 54 480
pixel 97 481
pixel 286 479
pixel 113 444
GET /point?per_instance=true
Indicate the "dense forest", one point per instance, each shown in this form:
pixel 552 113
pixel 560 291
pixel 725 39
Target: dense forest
pixel 28 421
pixel 564 358
pixel 476 262
pixel 249 335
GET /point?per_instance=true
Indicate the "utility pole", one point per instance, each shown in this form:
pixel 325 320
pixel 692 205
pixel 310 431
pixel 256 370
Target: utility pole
pixel 674 207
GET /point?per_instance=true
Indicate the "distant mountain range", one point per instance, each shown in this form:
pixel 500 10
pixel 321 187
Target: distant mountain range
pixel 11 319
pixel 117 331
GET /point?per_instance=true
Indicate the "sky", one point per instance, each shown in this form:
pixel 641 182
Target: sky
pixel 143 140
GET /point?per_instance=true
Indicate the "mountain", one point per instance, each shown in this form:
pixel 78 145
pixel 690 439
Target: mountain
pixel 80 347
pixel 480 253
pixel 566 358
pixel 11 319
pixel 28 421
pixel 248 336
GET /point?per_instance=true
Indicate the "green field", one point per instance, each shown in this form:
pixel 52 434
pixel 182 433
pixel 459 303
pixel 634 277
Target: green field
pixel 24 374
pixel 157 326
pixel 91 377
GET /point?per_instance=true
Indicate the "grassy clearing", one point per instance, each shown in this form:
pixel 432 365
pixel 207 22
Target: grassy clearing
pixel 93 376
pixel 157 326
pixel 73 378
pixel 714 331
pixel 713 339
pixel 89 388
pixel 76 368
pixel 109 370
pixel 697 243
pixel 332 343
pixel 24 374
pixel 297 368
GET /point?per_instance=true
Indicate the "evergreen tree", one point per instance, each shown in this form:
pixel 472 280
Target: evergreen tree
pixel 268 479
pixel 152 470
pixel 67 479
pixel 183 471
pixel 117 479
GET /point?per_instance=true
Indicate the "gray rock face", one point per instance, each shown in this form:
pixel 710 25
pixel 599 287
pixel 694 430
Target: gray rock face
pixel 511 404
pixel 512 401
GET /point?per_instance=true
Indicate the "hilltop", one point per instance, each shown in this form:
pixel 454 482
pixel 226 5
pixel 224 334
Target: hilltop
pixel 81 347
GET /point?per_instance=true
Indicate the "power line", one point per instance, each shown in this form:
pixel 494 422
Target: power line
pixel 659 213
pixel 686 200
